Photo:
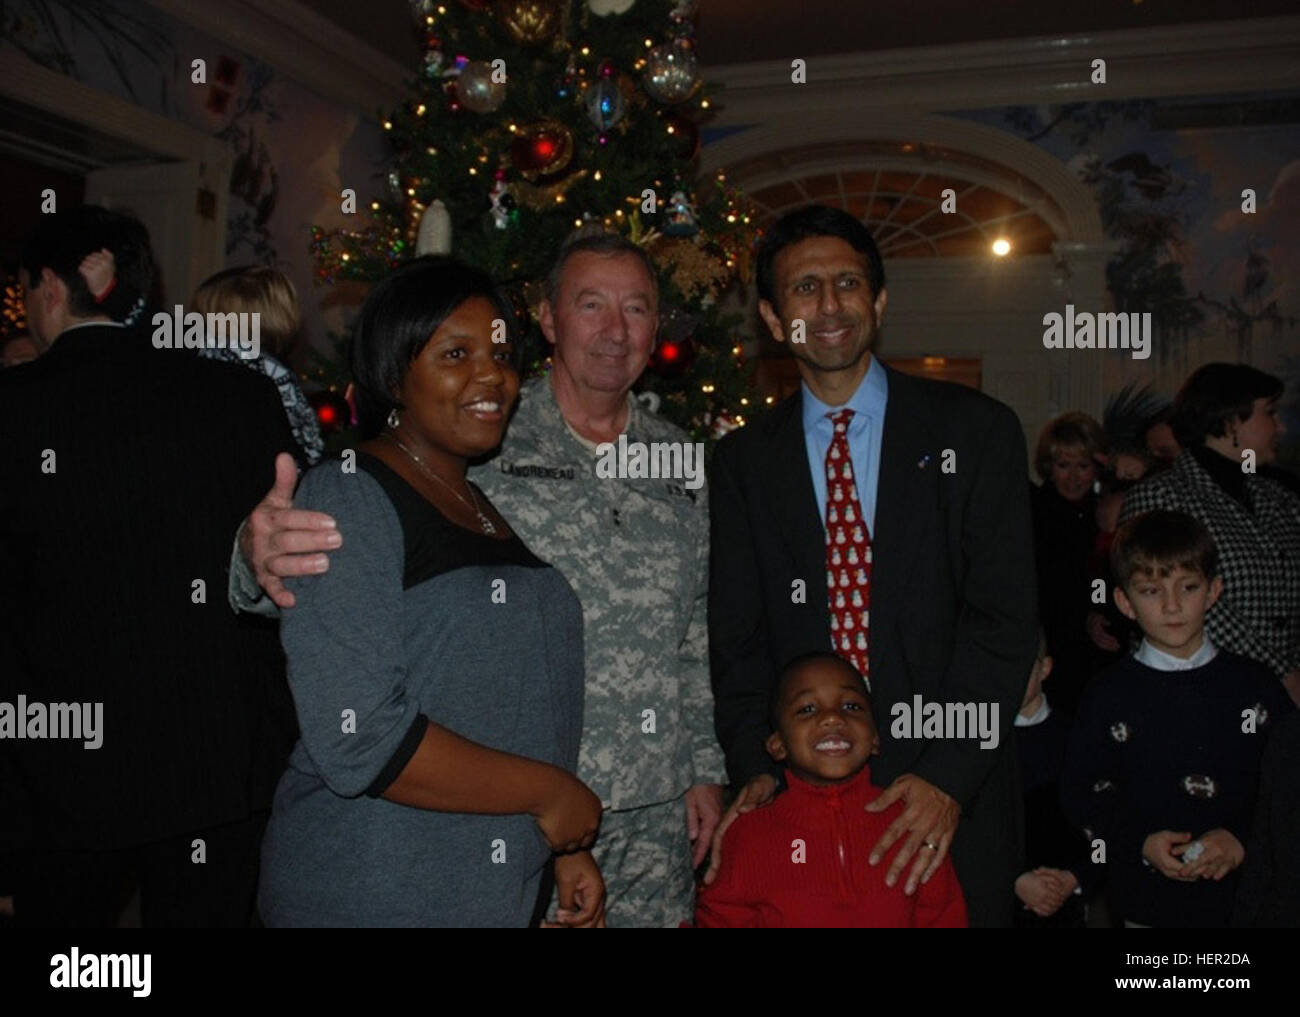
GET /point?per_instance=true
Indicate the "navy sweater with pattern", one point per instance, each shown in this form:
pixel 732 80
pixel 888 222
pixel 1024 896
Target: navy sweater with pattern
pixel 1169 750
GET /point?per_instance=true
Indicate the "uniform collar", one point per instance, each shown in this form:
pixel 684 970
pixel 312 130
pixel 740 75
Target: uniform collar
pixel 538 406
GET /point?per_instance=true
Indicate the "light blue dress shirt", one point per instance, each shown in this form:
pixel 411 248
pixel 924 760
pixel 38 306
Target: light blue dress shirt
pixel 865 432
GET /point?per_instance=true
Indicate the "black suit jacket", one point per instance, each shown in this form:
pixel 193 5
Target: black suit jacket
pixel 953 600
pixel 158 456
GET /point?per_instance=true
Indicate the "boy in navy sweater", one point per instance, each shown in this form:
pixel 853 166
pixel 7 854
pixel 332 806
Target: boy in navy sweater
pixel 1164 758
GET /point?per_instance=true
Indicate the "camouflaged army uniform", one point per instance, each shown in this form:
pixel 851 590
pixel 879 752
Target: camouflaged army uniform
pixel 636 553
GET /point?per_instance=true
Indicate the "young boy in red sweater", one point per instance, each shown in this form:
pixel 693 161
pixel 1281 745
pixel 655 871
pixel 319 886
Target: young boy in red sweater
pixel 802 861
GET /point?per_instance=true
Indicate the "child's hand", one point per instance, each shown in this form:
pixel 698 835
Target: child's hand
pixel 1159 849
pixel 581 891
pixel 1044 890
pixel 98 270
pixel 1222 853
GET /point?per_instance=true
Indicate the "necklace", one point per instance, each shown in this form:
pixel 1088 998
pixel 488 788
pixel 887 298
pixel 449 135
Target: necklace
pixel 488 526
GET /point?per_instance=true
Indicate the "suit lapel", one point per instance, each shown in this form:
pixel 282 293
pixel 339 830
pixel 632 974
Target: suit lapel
pixel 793 500
pixel 905 489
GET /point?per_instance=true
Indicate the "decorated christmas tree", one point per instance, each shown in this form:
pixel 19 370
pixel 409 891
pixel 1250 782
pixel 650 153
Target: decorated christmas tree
pixel 531 120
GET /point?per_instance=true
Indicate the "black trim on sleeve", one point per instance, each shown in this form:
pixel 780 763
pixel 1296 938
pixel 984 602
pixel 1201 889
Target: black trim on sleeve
pixel 410 742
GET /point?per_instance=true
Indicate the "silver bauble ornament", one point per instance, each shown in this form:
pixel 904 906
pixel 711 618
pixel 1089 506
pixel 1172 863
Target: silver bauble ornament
pixel 476 90
pixel 605 103
pixel 672 73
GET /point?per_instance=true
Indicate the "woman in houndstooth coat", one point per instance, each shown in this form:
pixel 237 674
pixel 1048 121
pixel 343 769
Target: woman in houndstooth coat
pixel 1226 418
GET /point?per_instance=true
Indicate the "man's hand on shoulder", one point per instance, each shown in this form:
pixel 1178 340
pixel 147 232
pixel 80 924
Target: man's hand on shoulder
pixel 278 540
pixel 703 813
pixel 758 791
pixel 929 821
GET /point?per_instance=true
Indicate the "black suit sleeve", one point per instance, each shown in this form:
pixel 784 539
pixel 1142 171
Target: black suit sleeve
pixel 739 652
pixel 997 626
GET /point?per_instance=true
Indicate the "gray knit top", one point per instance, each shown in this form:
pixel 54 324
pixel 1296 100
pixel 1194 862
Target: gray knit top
pixel 416 618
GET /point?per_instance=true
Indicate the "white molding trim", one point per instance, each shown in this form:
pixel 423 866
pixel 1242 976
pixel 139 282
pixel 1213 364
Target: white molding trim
pixel 304 46
pixel 1082 220
pixel 1224 57
pixel 40 88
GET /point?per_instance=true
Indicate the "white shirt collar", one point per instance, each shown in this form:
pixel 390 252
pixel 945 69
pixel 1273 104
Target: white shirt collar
pixel 87 324
pixel 1037 717
pixel 1161 661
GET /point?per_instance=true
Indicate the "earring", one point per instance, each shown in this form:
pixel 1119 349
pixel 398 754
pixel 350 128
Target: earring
pixel 393 420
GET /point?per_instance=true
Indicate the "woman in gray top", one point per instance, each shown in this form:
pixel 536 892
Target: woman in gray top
pixel 437 665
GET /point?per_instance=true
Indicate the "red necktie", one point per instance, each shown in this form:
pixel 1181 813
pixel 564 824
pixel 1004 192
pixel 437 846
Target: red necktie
pixel 848 551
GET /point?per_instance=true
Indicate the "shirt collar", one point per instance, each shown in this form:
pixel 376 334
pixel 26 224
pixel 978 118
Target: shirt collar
pixel 97 323
pixel 1161 661
pixel 537 400
pixel 868 401
pixel 1037 717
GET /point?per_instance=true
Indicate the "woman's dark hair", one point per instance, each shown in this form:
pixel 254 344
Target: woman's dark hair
pixel 399 316
pixel 815 221
pixel 1217 395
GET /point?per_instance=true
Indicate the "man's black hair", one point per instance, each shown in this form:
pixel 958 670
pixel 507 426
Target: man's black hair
pixel 61 240
pixel 796 664
pixel 815 221
pixel 399 317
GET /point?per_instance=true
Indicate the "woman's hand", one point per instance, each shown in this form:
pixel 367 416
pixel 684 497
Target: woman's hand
pixel 569 815
pixel 98 270
pixel 581 892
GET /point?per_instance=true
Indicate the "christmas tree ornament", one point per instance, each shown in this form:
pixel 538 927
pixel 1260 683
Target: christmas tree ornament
pixel 435 230
pixel 477 90
pixel 604 8
pixel 673 357
pixel 433 60
pixel 333 413
pixel 544 197
pixel 529 22
pixel 684 10
pixel 723 424
pixel 395 185
pixel 542 149
pixel 605 103
pixel 684 132
pixel 672 74
pixel 681 218
pixel 505 210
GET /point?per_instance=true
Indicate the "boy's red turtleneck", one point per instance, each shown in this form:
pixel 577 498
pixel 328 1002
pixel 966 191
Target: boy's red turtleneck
pixel 802 862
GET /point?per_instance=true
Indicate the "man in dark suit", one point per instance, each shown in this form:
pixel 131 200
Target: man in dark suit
pixel 887 517
pixel 124 473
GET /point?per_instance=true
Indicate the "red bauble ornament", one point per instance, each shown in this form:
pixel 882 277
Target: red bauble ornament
pixel 542 149
pixel 673 357
pixel 333 413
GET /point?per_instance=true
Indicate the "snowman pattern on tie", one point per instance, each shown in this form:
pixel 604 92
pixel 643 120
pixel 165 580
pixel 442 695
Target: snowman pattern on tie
pixel 848 552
